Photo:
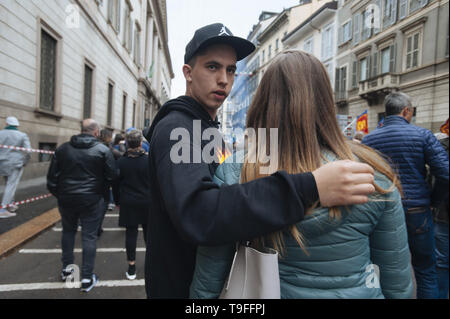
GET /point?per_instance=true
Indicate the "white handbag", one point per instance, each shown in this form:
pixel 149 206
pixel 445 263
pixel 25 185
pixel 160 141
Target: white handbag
pixel 253 275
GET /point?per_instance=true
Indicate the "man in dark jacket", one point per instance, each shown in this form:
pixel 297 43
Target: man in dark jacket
pixel 77 176
pixel 188 208
pixel 410 148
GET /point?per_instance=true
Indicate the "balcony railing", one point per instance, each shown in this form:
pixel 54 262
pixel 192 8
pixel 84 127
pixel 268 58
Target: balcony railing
pixel 382 82
pixel 376 88
pixel 340 96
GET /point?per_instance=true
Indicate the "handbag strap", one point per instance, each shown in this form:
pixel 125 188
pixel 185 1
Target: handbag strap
pixel 238 244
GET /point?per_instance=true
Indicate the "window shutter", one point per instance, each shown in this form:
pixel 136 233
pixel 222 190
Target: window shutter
pixel 118 16
pixel 377 20
pixel 375 64
pixel 110 10
pixel 354 73
pixel 357 29
pixel 343 81
pixel 394 4
pixel 392 62
pixel 369 67
pixel 341 35
pixel 336 81
pixel 130 35
pixel 350 30
pixel 403 9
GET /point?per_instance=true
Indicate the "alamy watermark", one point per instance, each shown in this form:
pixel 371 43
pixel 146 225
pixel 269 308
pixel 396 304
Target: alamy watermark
pixel 261 147
pixel 373 278
pixel 73 16
pixel 73 280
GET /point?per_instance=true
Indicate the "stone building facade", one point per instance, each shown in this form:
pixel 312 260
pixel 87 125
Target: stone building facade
pixel 391 45
pixel 65 60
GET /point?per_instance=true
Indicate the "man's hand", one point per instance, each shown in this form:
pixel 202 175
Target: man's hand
pixel 344 183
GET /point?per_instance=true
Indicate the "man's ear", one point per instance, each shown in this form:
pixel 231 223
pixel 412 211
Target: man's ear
pixel 405 112
pixel 187 71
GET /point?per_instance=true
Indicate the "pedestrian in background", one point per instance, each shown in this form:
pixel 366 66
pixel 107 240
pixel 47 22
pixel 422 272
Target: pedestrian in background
pixel 145 145
pixel 134 182
pixel 106 139
pixel 358 137
pixel 441 223
pixel 119 145
pixel 411 148
pixel 12 163
pixel 77 176
pixel 332 252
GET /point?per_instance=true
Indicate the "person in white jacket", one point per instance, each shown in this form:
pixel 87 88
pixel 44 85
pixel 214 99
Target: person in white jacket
pixel 11 163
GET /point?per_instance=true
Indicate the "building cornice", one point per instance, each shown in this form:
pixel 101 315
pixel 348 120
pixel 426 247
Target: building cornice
pixel 329 6
pixel 163 36
pixel 281 19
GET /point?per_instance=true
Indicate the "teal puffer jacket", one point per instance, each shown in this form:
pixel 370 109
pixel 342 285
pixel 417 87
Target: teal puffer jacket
pixel 344 255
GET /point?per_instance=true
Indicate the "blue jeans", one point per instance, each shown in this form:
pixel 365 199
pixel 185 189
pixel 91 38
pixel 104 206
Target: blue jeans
pixel 441 236
pixel 90 218
pixel 419 222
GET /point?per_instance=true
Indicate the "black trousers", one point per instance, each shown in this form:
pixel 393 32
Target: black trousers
pixel 90 220
pixel 131 240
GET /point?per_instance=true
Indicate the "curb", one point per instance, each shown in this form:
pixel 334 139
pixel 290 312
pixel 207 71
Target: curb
pixel 19 235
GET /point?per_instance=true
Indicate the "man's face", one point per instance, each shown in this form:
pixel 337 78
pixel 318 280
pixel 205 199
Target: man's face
pixel 210 80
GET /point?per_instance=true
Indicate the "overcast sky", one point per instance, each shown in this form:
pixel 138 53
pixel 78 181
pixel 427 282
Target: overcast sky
pixel 186 16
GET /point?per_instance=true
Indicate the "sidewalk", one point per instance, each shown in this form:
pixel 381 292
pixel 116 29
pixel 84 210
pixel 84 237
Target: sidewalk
pixel 21 234
pixel 26 212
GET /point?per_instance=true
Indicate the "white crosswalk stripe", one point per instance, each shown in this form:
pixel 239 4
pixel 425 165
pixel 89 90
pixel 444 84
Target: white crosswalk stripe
pixel 76 250
pixel 62 285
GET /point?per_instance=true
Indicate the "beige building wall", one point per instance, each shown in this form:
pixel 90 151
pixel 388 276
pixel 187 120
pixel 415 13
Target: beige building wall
pixel 428 83
pixel 84 36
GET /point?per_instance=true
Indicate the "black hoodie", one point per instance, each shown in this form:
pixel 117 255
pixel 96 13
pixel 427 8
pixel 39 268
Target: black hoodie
pixel 189 209
pixel 80 168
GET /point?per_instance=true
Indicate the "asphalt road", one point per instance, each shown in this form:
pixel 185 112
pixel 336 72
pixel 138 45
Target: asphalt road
pixel 34 269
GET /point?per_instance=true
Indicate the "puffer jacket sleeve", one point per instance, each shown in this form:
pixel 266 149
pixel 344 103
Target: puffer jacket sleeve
pixel 212 267
pixel 390 251
pixel 437 159
pixel 213 264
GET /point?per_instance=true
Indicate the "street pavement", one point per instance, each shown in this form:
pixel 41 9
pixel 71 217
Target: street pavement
pixel 33 270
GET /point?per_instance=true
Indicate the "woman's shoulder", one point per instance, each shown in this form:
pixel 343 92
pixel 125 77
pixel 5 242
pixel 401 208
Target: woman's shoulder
pixel 229 172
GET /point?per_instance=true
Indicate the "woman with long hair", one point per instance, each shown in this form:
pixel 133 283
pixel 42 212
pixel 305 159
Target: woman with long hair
pixel 342 252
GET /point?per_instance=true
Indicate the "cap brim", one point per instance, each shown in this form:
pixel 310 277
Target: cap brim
pixel 242 47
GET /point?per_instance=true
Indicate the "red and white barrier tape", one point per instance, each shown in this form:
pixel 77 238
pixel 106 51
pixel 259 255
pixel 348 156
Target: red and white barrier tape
pixel 29 150
pixel 26 201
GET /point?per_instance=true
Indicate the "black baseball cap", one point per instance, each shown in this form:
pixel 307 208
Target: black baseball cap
pixel 217 33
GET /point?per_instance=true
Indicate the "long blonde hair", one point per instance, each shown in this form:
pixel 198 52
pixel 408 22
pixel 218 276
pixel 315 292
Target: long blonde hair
pixel 295 96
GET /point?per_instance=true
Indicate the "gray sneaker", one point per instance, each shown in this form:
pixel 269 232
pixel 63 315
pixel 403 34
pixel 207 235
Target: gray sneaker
pixel 5 214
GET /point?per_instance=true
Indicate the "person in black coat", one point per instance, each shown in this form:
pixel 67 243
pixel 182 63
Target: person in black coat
pixel 134 195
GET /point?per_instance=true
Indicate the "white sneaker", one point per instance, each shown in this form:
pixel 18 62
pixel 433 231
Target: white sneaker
pixel 111 206
pixel 5 214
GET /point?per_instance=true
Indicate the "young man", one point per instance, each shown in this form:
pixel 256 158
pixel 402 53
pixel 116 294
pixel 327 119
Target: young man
pixel 188 208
